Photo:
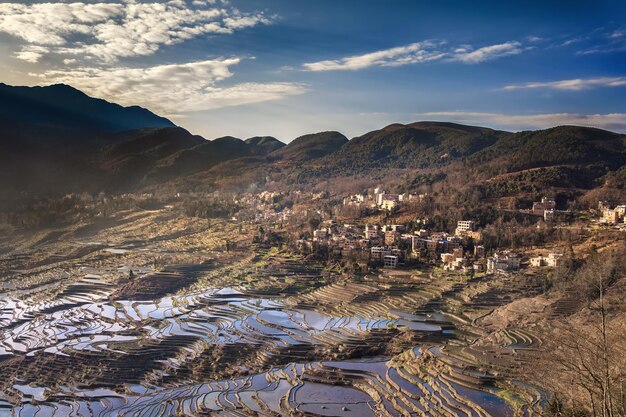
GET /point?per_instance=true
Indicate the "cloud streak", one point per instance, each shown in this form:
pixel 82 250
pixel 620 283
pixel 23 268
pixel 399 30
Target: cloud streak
pixel 109 31
pixel 602 41
pixel 416 53
pixel 609 121
pixel 488 53
pixel 174 88
pixel 576 84
pixel 409 54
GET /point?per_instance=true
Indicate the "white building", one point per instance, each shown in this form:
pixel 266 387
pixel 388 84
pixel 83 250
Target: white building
pixel 389 205
pixel 505 261
pixel 545 204
pixel 381 198
pixel 552 260
pixel 464 226
pixel 356 200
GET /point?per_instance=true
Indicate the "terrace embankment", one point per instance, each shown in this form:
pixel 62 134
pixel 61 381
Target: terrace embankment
pixel 251 330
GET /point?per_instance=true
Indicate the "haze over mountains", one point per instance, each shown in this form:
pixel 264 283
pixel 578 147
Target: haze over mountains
pixel 56 139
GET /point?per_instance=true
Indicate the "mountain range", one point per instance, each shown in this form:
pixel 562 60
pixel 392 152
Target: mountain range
pixel 56 139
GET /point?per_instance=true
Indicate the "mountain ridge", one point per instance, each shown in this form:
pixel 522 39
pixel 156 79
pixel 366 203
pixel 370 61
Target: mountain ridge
pixel 90 156
pixel 63 106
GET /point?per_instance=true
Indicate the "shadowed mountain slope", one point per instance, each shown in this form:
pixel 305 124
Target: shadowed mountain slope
pixel 63 107
pixel 312 146
pixel 416 145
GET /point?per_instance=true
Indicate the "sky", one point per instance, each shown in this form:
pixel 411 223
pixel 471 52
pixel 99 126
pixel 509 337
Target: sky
pixel 289 67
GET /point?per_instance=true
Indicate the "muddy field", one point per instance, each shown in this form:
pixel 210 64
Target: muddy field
pixel 196 329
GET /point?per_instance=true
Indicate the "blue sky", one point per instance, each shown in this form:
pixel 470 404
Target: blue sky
pixel 286 68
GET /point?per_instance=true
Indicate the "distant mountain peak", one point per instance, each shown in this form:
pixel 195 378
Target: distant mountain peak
pixel 264 144
pixel 61 106
pixel 262 140
pixel 311 146
pixel 227 139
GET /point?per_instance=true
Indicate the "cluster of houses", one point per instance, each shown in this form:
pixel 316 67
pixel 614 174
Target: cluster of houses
pixel 382 200
pixel 276 207
pixel 382 245
pixel 500 262
pixel 504 261
pixel 390 245
pixel 546 208
pixel 553 260
pixel 612 215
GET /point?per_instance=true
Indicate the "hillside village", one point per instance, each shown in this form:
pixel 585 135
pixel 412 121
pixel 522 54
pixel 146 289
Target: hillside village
pixel 363 245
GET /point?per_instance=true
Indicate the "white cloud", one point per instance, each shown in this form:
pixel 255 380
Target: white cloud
pixel 574 84
pixel 410 54
pixel 31 53
pixel 534 38
pixel 174 88
pixel 109 31
pixel 51 23
pixel 615 47
pixel 245 93
pixel 28 56
pixel 571 41
pixel 487 53
pixel 205 2
pixel 610 121
pixel 416 53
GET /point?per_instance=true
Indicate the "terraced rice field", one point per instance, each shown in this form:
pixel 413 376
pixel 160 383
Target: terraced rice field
pixel 265 335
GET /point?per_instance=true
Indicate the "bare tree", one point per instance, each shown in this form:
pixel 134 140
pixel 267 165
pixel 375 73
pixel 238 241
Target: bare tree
pixel 585 361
